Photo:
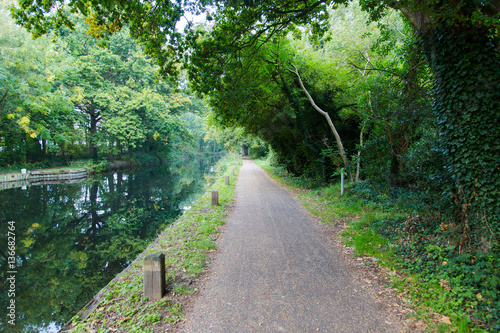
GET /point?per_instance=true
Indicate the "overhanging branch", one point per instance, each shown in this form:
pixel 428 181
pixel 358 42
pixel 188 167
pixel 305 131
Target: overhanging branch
pixel 402 77
pixel 326 115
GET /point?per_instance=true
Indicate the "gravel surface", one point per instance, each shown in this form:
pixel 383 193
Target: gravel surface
pixel 277 272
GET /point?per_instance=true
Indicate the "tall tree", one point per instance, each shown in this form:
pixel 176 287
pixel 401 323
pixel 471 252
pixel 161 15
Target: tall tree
pixel 127 105
pixel 36 112
pixel 460 38
pixel 462 46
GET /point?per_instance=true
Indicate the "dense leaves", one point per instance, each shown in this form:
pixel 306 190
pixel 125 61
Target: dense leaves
pixel 83 98
pixel 467 105
pixel 458 37
pixel 35 105
pixel 119 91
pixel 413 91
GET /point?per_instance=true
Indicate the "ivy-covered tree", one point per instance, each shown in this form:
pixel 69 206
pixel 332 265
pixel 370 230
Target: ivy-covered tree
pixel 461 43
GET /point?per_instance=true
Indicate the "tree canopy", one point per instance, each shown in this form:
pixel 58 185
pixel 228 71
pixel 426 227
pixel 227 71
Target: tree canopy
pixel 83 97
pixel 415 100
pixel 404 94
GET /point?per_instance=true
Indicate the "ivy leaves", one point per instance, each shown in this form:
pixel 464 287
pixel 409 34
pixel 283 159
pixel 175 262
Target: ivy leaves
pixel 467 105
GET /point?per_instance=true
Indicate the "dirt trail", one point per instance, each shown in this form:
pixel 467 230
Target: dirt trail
pixel 277 272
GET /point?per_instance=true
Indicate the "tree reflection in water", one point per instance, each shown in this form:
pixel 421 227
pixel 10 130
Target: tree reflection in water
pixel 72 239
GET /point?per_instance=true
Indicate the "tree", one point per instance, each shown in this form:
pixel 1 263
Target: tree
pixel 388 82
pixel 328 119
pixel 461 45
pixel 127 106
pixel 36 115
pixel 255 91
pixel 460 40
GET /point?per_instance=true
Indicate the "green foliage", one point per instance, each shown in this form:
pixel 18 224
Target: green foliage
pixel 455 282
pixel 58 98
pixel 35 105
pixel 465 58
pixel 97 166
pixel 128 107
pixel 233 139
pixel 424 148
pixel 258 94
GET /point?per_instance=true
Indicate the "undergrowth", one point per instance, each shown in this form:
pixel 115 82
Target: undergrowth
pixel 452 289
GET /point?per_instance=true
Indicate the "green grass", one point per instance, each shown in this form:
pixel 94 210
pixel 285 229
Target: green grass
pixel 186 245
pixel 52 165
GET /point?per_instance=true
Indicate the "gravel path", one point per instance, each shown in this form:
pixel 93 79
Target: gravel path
pixel 276 272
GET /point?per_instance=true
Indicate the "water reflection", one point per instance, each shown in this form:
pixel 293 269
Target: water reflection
pixel 72 239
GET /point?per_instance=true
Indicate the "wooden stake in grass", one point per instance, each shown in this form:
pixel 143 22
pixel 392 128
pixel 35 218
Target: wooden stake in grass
pixel 154 275
pixel 215 198
pixel 226 180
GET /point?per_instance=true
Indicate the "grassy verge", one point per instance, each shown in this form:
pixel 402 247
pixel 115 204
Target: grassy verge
pixel 77 164
pixel 186 245
pixel 52 165
pixel 447 291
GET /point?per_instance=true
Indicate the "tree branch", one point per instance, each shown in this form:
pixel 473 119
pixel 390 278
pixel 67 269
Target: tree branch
pixel 326 115
pixel 402 77
pixel 4 96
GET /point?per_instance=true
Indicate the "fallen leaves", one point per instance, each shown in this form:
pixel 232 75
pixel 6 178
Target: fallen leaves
pixel 445 320
pixel 444 283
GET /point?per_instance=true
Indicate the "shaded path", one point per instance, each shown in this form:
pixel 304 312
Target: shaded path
pixel 276 272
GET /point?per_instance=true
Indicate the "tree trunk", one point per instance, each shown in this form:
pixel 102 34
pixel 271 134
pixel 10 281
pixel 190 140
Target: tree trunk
pixel 244 150
pixel 328 119
pixel 358 164
pixel 44 147
pixel 92 132
pixel 465 63
pixel 95 117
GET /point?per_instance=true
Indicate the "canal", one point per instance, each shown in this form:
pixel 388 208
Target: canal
pixel 72 239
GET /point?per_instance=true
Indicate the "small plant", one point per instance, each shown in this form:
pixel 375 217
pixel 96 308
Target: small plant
pixel 97 167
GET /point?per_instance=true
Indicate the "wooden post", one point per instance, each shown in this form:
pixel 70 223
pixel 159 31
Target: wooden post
pixel 226 180
pixel 154 275
pixel 215 198
pixel 232 171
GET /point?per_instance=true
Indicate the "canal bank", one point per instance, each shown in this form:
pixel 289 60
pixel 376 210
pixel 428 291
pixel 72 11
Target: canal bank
pixel 26 177
pixel 35 177
pixel 186 245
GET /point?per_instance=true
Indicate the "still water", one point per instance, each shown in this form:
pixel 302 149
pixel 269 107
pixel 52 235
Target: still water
pixel 72 239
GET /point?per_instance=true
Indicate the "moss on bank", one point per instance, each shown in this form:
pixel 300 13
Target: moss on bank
pixel 121 307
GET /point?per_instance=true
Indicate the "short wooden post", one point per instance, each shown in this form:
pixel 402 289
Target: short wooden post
pixel 226 180
pixel 232 171
pixel 215 198
pixel 154 275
